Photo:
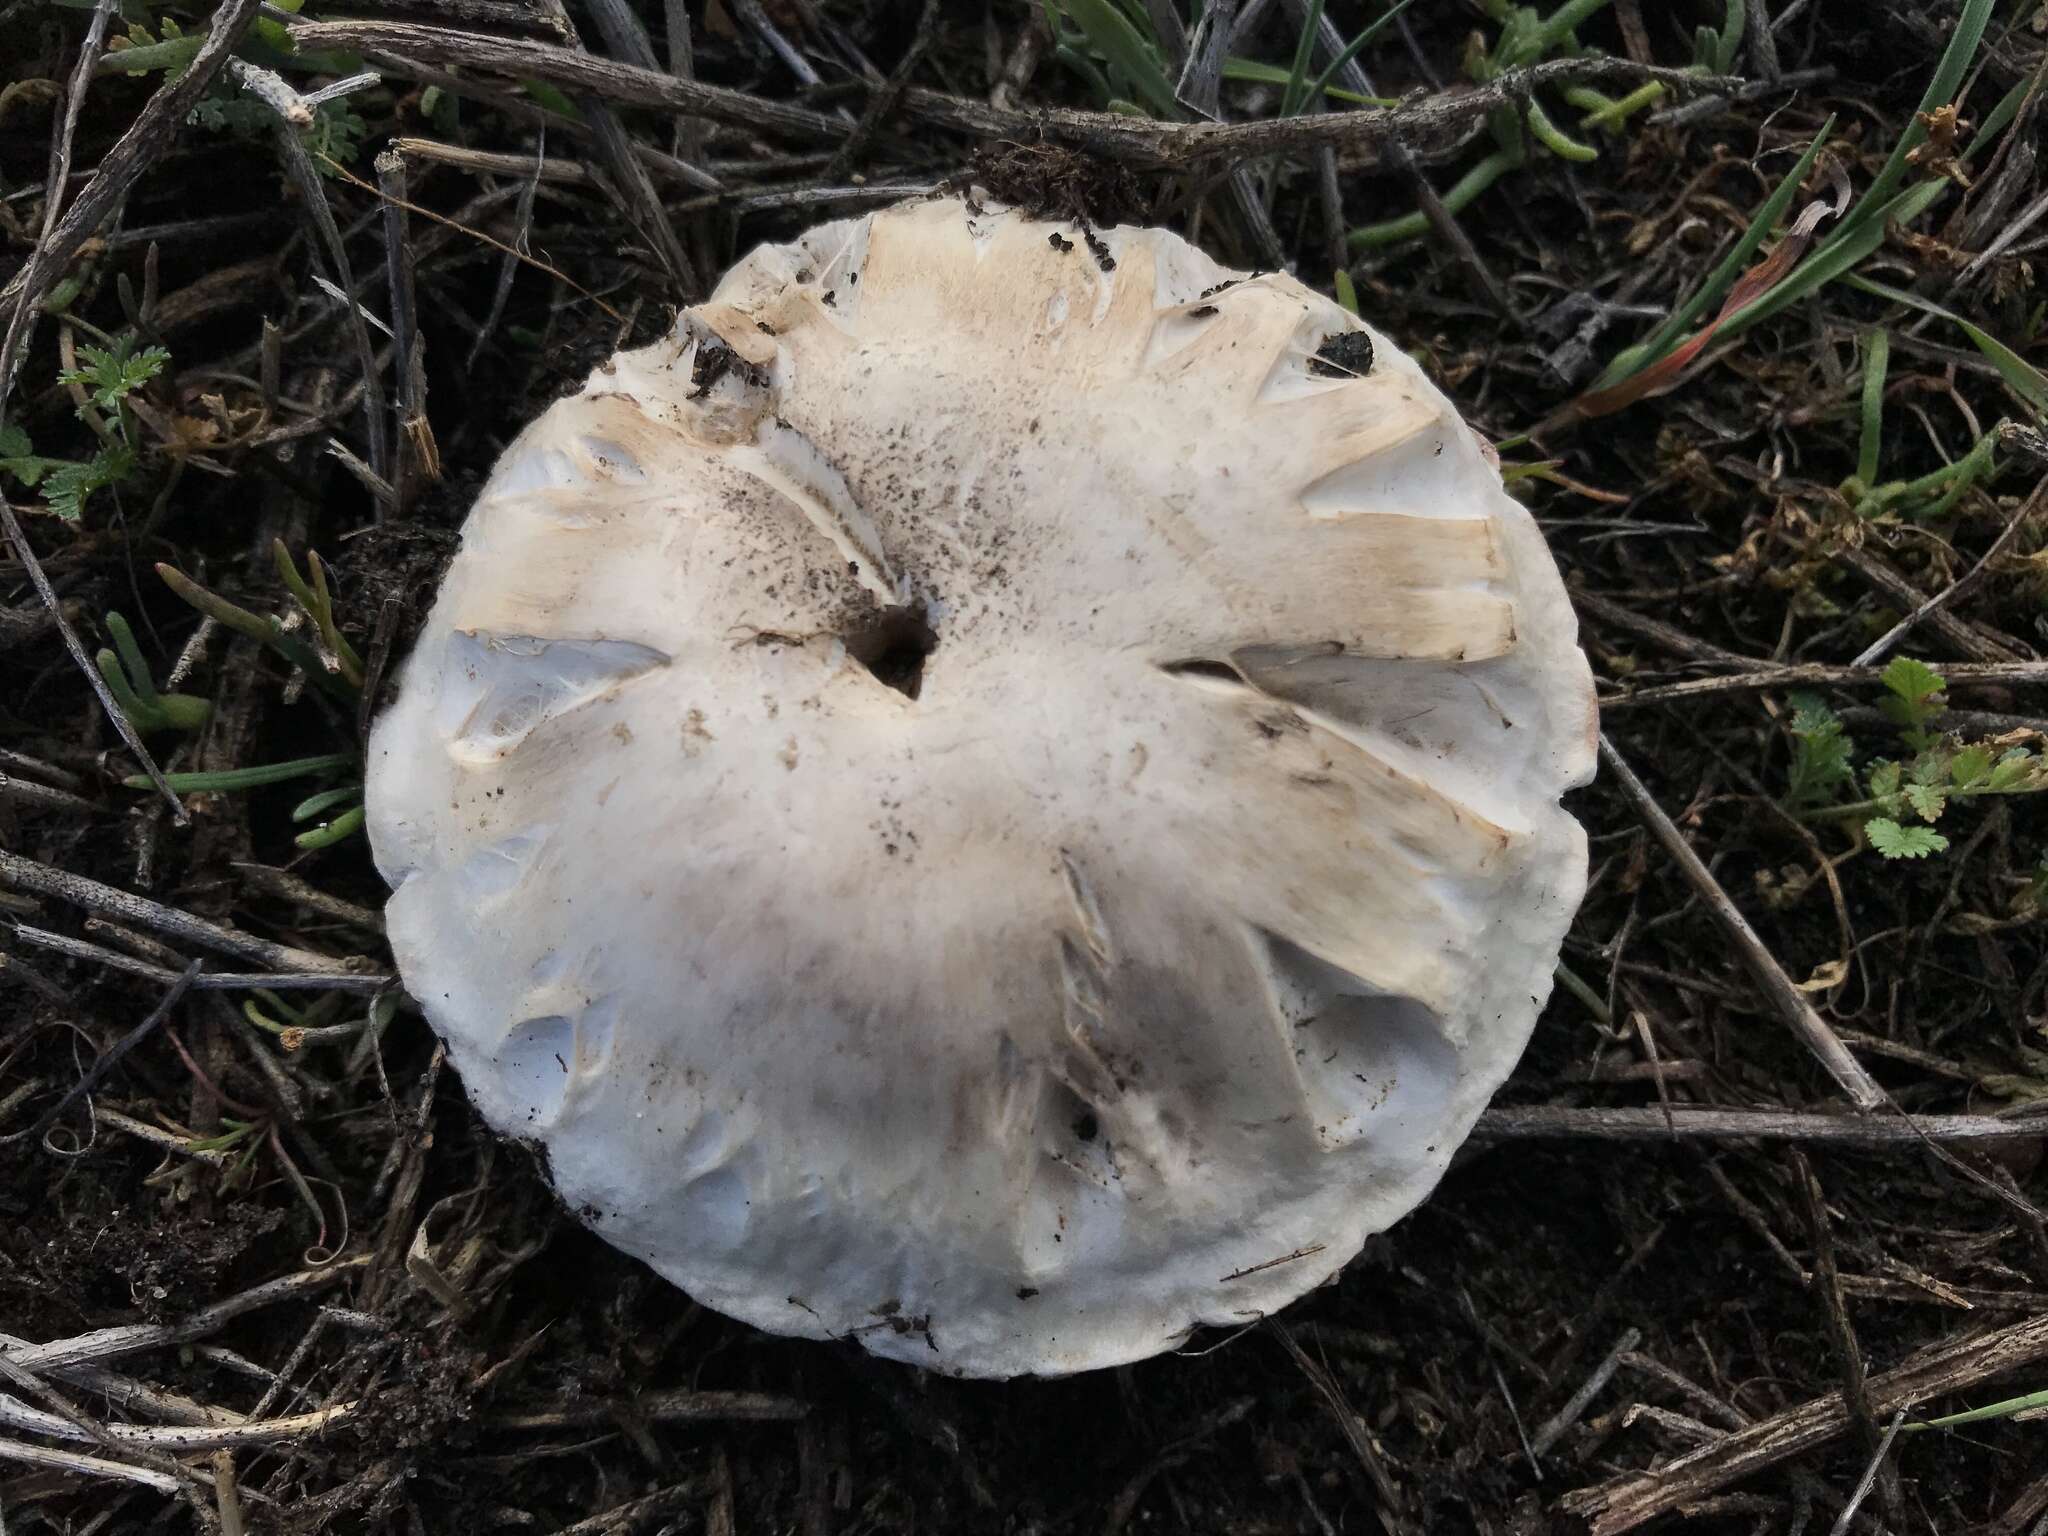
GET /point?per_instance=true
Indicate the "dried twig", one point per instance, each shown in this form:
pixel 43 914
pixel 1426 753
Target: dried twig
pixel 1961 587
pixel 110 1057
pixel 179 1438
pixel 1553 1428
pixel 1700 1123
pixel 412 458
pixel 621 85
pixel 1956 630
pixel 1826 1284
pixel 86 1466
pixel 1787 999
pixel 663 1408
pixel 363 982
pixel 1351 1426
pixel 884 101
pixel 131 1338
pixel 298 165
pixel 1819 675
pixel 1182 146
pixel 42 880
pixel 1623 1503
pixel 32 280
pixel 1139 142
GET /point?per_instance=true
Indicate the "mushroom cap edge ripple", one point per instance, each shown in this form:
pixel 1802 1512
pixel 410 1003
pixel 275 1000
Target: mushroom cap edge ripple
pixel 985 798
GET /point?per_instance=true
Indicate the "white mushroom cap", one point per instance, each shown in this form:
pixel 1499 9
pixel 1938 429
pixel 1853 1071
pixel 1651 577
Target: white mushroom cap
pixel 1123 980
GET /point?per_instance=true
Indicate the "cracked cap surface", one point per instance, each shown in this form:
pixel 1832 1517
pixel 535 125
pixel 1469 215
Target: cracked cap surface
pixel 992 795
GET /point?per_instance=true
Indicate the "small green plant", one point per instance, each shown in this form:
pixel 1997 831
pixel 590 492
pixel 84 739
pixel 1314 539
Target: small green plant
pixel 1823 756
pixel 333 139
pixel 1793 272
pixel 106 378
pixel 128 679
pixel 1527 37
pixel 1115 48
pixel 159 43
pixel 114 372
pixel 315 646
pixel 1903 797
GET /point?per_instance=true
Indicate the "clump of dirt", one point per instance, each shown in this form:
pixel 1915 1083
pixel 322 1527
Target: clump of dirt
pixel 1049 182
pixel 1345 355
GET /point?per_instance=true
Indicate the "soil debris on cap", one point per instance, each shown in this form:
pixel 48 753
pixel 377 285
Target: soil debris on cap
pixel 1345 355
pixel 1047 182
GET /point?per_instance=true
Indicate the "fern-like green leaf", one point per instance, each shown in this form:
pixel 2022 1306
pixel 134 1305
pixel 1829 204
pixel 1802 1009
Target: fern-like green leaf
pixel 70 485
pixel 1911 681
pixel 1970 767
pixel 18 457
pixel 1821 753
pixel 1928 799
pixel 2012 770
pixel 112 374
pixel 1896 842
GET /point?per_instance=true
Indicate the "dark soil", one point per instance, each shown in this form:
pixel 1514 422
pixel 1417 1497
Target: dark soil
pixel 515 1373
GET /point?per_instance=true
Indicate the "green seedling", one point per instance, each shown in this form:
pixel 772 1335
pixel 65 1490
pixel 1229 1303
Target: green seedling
pixel 1934 494
pixel 327 660
pixel 347 798
pixel 1927 496
pixel 114 372
pixel 160 45
pixel 128 679
pixel 1823 756
pixel 265 628
pixel 106 378
pixel 312 596
pixel 1903 798
pixel 1525 38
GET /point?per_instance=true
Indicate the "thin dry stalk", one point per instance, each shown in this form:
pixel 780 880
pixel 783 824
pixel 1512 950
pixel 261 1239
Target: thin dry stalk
pixel 1790 1003
pixel 1623 1503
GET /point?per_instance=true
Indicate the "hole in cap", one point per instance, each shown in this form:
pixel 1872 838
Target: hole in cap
pixel 893 646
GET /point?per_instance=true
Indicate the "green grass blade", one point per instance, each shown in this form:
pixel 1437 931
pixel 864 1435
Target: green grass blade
pixel 1559 25
pixel 1941 89
pixel 1412 226
pixel 1836 258
pixel 1304 50
pixel 1079 62
pixel 1728 40
pixel 1111 34
pixel 1877 353
pixel 2021 376
pixel 1555 139
pixel 1351 51
pixel 1257 72
pixel 2004 1409
pixel 247 778
pixel 346 825
pixel 1999 116
pixel 131 657
pixel 1666 335
pixel 326 800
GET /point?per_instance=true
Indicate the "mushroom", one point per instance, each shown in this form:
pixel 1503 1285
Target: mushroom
pixel 995 795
